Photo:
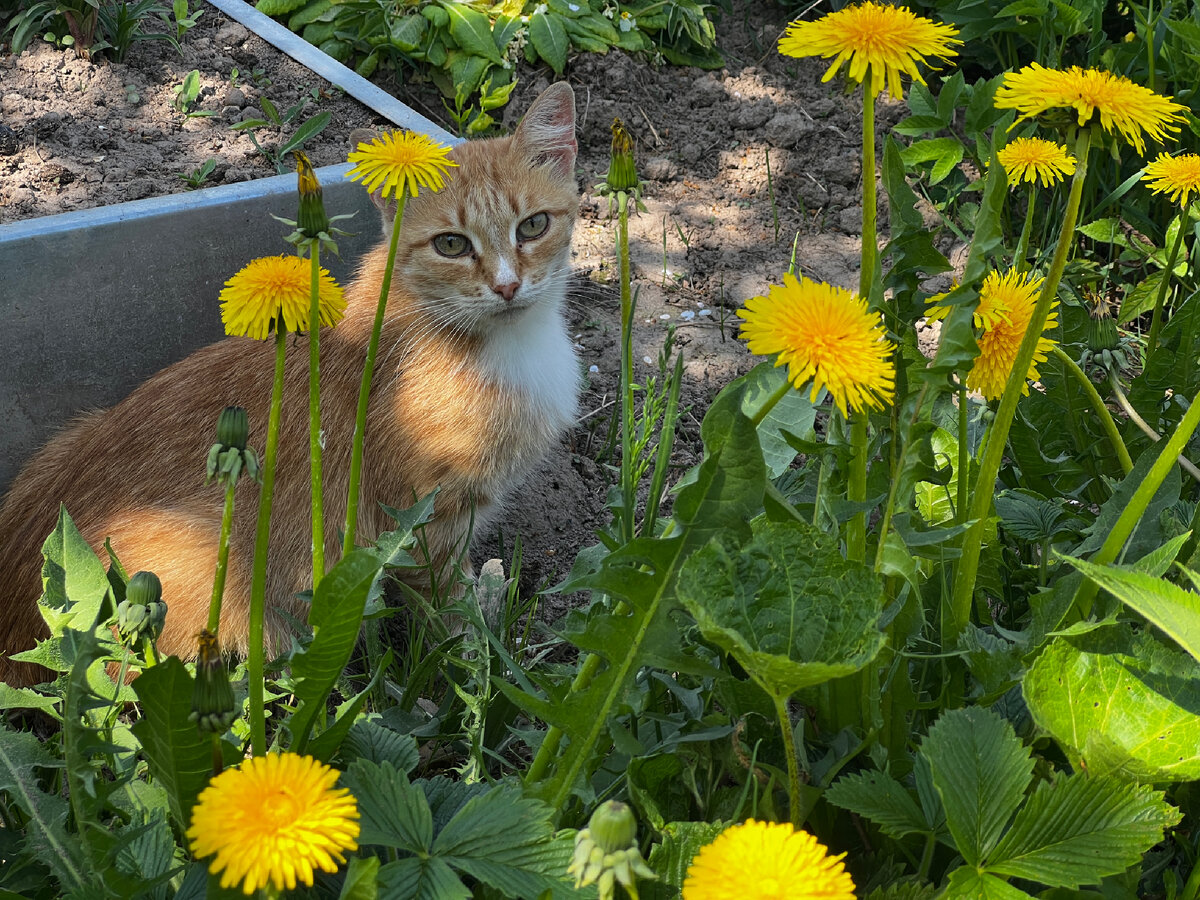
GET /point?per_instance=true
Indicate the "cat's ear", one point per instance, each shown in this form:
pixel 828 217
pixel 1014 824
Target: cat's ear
pixel 547 133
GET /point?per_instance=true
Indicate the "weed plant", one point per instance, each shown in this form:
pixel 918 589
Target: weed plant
pixel 936 614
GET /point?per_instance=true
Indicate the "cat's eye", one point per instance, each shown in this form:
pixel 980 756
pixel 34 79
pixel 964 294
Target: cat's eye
pixel 533 227
pixel 451 245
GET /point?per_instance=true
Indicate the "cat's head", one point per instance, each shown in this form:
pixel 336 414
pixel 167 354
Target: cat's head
pixel 496 239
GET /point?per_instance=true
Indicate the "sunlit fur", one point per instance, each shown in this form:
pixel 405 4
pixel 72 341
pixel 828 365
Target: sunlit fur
pixel 470 391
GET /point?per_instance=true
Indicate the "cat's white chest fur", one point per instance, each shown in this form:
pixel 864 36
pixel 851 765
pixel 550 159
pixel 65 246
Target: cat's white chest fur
pixel 532 354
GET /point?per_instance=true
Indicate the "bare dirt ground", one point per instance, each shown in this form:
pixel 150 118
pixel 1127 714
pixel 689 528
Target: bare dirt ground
pixel 716 229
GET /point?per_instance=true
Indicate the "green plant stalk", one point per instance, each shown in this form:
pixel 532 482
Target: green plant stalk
pixel 1085 595
pixel 364 391
pixel 1191 888
pixel 1160 299
pixel 959 614
pixel 314 417
pixel 591 664
pixel 256 651
pixel 149 652
pixel 1022 251
pixel 1097 402
pixel 218 592
pixel 793 767
pixel 964 456
pixel 856 478
pixel 624 278
pixel 1134 416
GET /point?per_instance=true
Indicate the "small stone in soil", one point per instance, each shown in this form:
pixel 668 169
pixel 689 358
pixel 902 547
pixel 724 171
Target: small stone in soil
pixel 9 143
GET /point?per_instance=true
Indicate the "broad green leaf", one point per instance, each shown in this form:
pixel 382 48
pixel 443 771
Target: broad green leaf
pixel 278 7
pixel 1170 607
pixel 967 883
pixel 981 770
pixel 935 500
pixel 1119 704
pixel 179 757
pixel 27 698
pixel 787 605
pixel 1140 298
pixel 371 741
pixel 405 32
pixel 393 812
pixel 879 797
pixel 73 579
pixel 793 413
pixel 1106 231
pixel 549 39
pixel 335 616
pixel 420 878
pixel 944 153
pixel 1079 828
pixel 472 30
pixel 21 754
pixel 360 882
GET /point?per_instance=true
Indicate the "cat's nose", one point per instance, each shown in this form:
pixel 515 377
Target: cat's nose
pixel 507 291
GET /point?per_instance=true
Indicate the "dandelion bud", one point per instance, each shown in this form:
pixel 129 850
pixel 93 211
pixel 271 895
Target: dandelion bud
pixel 311 220
pixel 229 456
pixel 233 427
pixel 1102 330
pixel 606 852
pixel 142 613
pixel 622 173
pixel 213 708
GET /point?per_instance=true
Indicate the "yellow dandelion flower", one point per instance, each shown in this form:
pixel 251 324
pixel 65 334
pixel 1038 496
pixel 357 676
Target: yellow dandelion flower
pixel 1178 176
pixel 1006 305
pixel 886 40
pixel 1035 159
pixel 400 161
pixel 274 820
pixel 277 287
pixel 826 334
pixel 765 861
pixel 1119 103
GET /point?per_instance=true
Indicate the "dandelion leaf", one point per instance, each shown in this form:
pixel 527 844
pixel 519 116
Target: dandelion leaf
pixel 1119 704
pixel 786 604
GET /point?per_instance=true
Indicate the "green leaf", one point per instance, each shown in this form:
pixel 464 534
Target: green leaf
pixel 74 579
pixel 944 153
pixel 787 605
pixel 278 7
pixel 21 754
pixel 1140 298
pixel 981 770
pixel 969 884
pixel 361 875
pixel 179 757
pixel 335 616
pixel 882 799
pixel 392 546
pixel 1078 829
pixel 369 740
pixel 420 879
pixel 406 32
pixel 1170 607
pixel 1119 704
pixel 671 858
pixel 549 39
pixel 1107 231
pixel 305 132
pixel 472 31
pixel 27 698
pixel 393 813
pixel 793 413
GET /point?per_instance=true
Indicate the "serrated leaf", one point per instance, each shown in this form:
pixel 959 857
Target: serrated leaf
pixel 392 811
pixel 1170 607
pixel 1140 298
pixel 670 858
pixel 967 883
pixel 20 754
pixel 549 39
pixel 880 798
pixel 788 606
pixel 420 879
pixel 393 546
pixel 1078 829
pixel 370 741
pixel 73 579
pixel 981 770
pixel 1121 704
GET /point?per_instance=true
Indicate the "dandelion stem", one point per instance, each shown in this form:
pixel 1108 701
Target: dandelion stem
pixel 964 455
pixel 1102 413
pixel 218 592
pixel 793 767
pixel 1134 416
pixel 256 650
pixel 959 613
pixel 1163 284
pixel 364 391
pixel 314 419
pixel 1019 255
pixel 628 486
pixel 1132 513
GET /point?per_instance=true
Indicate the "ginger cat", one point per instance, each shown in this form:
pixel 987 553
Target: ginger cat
pixel 475 381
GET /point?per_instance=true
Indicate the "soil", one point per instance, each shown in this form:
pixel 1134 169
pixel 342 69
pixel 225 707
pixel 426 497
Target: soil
pixel 737 164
